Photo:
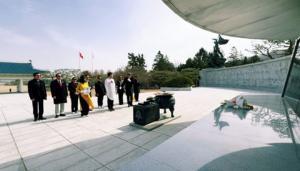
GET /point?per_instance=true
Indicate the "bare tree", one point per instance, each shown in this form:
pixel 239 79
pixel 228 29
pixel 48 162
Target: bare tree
pixel 233 53
pixel 269 47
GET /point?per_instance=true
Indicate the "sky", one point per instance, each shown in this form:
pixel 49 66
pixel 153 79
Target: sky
pixel 52 32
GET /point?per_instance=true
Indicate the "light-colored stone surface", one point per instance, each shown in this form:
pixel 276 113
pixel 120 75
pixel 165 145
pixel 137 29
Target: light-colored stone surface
pixel 176 89
pixel 119 163
pixel 231 139
pixel 102 141
pixel 268 75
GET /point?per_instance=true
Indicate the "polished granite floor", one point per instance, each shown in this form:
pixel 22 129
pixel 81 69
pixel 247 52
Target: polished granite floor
pixel 102 141
pixel 263 139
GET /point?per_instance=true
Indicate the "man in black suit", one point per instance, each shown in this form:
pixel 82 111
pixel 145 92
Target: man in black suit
pixel 128 84
pixel 100 91
pixel 59 93
pixel 37 94
pixel 74 97
pixel 136 88
pixel 120 89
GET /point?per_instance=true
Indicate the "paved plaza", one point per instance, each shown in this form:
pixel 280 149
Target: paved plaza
pixel 102 141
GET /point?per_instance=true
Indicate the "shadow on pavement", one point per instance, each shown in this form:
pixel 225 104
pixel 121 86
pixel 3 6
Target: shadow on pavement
pixel 111 151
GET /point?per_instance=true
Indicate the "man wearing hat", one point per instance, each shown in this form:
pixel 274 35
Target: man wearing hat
pixel 74 97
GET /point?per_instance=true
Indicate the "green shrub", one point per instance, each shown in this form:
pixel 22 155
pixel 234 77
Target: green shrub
pixel 158 78
pixel 178 80
pixel 191 73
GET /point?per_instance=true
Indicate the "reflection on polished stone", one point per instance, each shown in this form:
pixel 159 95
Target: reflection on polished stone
pixel 241 113
pixel 233 139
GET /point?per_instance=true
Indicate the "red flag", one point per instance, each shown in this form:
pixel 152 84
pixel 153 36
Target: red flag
pixel 80 55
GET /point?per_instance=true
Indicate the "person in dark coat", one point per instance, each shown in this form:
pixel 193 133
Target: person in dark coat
pixel 128 85
pixel 59 93
pixel 74 97
pixel 136 88
pixel 100 91
pixel 120 89
pixel 37 93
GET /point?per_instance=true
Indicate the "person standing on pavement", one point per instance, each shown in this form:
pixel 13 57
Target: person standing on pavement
pixel 120 89
pixel 128 85
pixel 37 93
pixel 100 91
pixel 110 87
pixel 74 97
pixel 59 94
pixel 84 89
pixel 136 88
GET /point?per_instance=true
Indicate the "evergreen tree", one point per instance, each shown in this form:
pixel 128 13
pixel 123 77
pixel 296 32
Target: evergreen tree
pixel 200 59
pixel 162 63
pixel 215 60
pixel 136 62
pixel 190 63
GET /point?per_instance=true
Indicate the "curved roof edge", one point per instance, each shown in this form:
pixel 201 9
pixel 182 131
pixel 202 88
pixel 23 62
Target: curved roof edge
pixel 272 20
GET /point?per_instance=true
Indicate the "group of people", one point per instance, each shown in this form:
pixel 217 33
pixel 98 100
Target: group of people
pixel 81 90
pixel 130 86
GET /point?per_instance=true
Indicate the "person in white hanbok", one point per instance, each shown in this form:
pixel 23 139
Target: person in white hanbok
pixel 110 87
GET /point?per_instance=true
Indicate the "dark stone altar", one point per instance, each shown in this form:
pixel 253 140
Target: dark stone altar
pixel 145 113
pixel 148 111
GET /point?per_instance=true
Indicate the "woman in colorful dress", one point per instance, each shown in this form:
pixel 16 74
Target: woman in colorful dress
pixel 83 89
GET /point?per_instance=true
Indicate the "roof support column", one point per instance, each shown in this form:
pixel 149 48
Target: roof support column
pixel 291 66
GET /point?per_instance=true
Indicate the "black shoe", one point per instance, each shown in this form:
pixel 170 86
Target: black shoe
pixel 56 116
pixel 42 118
pixel 62 115
pixel 35 119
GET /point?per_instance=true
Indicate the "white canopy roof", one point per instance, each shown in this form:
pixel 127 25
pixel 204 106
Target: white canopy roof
pixel 256 19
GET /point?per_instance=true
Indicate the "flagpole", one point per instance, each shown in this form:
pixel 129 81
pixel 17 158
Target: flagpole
pixel 92 62
pixel 79 64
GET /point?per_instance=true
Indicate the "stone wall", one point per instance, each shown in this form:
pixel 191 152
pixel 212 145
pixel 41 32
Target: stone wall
pixel 176 89
pixel 293 88
pixel 268 75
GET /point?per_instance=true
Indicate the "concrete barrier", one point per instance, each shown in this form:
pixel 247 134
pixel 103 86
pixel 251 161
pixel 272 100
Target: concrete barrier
pixel 176 89
pixel 268 75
